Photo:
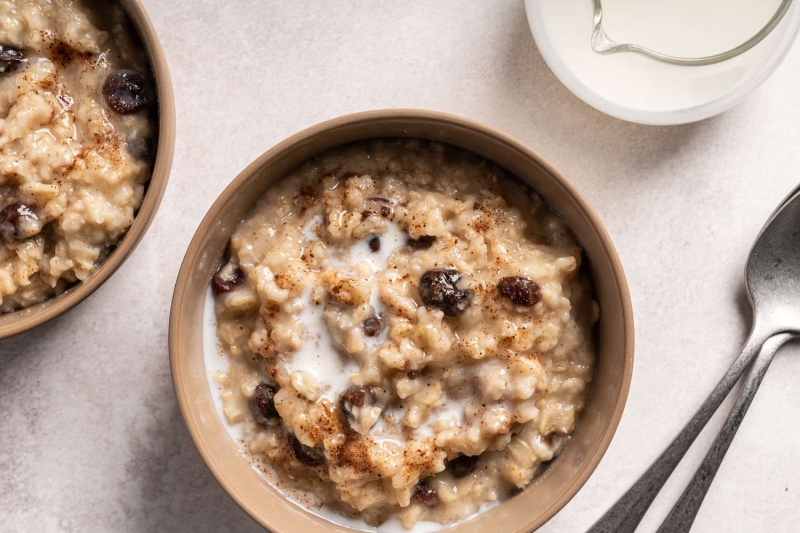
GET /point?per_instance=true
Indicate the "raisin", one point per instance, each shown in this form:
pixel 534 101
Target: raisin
pixel 412 375
pixel 438 288
pixel 10 59
pixel 18 222
pixel 426 495
pixel 127 92
pixel 422 243
pixel 306 454
pixel 262 404
pixel 375 244
pixel 380 205
pixel 372 326
pixel 227 277
pixel 463 465
pixel 356 397
pixel 521 291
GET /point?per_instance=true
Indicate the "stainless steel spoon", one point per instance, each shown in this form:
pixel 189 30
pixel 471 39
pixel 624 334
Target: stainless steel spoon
pixel 772 277
pixel 682 516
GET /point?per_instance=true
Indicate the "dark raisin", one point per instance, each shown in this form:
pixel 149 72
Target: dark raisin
pixel 366 213
pixel 306 454
pixel 262 404
pixel 375 244
pixel 426 495
pixel 521 291
pixel 18 222
pixel 228 277
pixel 423 243
pixel 412 375
pixel 356 397
pixel 438 288
pixel 463 465
pixel 10 59
pixel 372 326
pixel 379 204
pixel 127 91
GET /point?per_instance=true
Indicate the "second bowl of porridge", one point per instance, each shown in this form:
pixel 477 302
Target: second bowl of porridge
pixel 417 325
pixel 86 140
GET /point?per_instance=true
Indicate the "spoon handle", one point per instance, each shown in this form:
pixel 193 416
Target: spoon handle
pixel 682 516
pixel 626 514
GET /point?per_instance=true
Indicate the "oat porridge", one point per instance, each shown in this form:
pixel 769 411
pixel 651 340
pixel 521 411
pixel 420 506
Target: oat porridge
pixel 408 333
pixel 77 126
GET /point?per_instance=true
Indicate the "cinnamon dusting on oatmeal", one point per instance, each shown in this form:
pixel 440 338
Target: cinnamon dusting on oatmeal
pixel 420 379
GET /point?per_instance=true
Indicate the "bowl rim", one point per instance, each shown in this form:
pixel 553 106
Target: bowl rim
pixel 51 308
pixel 195 251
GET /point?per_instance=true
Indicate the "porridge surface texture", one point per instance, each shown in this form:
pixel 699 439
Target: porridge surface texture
pixel 409 330
pixel 73 162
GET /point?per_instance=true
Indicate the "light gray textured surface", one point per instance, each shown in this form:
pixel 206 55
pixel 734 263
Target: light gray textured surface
pixel 90 434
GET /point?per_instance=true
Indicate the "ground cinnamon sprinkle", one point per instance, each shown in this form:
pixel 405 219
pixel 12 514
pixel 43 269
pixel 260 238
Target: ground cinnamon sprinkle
pixel 414 359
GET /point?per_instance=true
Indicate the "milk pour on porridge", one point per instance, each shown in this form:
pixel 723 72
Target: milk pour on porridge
pixel 409 332
pixel 77 126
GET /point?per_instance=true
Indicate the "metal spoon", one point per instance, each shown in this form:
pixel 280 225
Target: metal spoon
pixel 682 516
pixel 605 45
pixel 772 277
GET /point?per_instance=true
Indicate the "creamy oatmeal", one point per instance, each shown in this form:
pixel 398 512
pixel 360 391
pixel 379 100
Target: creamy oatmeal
pixel 409 331
pixel 77 123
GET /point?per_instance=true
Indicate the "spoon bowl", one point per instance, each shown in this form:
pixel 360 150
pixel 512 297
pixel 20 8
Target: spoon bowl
pixel 773 271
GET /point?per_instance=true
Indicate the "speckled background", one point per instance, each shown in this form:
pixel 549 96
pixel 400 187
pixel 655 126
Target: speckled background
pixel 90 434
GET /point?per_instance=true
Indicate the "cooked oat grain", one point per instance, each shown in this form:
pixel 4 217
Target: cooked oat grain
pixel 457 394
pixel 72 171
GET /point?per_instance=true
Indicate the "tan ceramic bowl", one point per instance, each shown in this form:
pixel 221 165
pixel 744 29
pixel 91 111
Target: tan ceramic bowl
pixel 30 317
pixel 562 479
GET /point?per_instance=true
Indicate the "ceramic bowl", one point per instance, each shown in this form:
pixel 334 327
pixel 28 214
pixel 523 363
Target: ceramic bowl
pixel 19 321
pixel 562 479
